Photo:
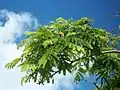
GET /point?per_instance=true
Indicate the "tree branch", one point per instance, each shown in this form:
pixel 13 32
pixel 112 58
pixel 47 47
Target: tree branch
pixel 74 61
pixel 111 51
pixel 96 86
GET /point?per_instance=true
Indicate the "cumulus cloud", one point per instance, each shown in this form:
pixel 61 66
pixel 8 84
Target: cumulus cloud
pixel 12 27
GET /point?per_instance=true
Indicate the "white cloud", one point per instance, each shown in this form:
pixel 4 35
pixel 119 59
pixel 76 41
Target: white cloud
pixel 12 26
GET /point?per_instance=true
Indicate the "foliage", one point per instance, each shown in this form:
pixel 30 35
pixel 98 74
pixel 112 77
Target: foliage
pixel 67 46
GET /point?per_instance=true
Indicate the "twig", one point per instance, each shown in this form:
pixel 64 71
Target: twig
pixel 54 73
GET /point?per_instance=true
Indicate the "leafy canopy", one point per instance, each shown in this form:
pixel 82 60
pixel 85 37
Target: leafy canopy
pixel 69 46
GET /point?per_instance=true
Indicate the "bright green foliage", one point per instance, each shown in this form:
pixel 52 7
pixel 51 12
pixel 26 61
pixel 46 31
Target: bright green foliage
pixel 67 46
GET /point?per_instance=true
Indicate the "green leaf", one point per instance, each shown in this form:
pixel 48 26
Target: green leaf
pixel 25 67
pixel 49 41
pixel 12 64
pixel 29 33
pixel 43 60
pixel 25 79
pixel 71 34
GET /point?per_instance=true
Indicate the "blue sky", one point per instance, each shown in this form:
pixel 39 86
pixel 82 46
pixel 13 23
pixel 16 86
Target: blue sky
pixel 101 11
pixel 16 14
